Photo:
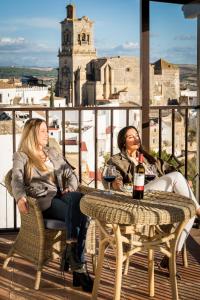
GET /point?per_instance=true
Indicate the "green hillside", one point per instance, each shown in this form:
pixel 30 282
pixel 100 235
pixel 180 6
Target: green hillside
pixel 9 72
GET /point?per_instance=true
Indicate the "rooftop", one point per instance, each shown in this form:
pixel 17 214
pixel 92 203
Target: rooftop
pixel 19 282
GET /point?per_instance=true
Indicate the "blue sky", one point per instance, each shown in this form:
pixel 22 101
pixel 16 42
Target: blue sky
pixel 30 30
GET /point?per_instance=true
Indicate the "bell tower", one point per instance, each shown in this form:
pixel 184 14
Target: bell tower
pixel 76 52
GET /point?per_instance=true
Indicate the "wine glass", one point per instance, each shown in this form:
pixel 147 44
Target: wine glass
pixel 109 175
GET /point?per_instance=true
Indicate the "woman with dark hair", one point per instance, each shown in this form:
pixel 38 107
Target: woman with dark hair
pixel 166 177
pixel 42 173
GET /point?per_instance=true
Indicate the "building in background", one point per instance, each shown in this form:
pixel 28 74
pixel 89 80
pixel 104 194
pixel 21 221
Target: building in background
pixel 85 79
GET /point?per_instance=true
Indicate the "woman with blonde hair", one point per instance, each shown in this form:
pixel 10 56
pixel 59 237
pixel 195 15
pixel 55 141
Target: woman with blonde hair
pixel 42 173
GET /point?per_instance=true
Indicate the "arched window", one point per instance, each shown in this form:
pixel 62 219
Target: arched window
pixel 83 37
pixel 79 39
pixel 88 38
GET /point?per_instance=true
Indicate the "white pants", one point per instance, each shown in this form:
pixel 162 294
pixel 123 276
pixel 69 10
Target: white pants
pixel 175 182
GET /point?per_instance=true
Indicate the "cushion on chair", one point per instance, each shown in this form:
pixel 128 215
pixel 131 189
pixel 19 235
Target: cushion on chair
pixel 54 224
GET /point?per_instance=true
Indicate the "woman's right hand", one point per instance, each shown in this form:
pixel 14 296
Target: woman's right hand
pixel 22 205
pixel 117 184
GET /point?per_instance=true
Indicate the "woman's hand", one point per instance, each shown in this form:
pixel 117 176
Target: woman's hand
pixel 117 184
pixel 22 205
pixel 190 184
pixel 67 190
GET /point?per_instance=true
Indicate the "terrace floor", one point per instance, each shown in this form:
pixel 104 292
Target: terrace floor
pixel 19 281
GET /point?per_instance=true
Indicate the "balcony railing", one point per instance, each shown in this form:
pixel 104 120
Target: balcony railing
pixel 173 129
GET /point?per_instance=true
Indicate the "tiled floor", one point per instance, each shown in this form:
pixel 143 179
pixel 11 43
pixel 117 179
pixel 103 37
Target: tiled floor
pixel 18 283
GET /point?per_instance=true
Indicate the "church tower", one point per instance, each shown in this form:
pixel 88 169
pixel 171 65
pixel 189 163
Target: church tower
pixel 77 50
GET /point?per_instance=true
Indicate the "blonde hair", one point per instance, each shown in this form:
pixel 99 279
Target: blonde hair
pixel 29 145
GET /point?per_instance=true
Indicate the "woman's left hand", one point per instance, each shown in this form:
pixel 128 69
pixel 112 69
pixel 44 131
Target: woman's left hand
pixel 67 190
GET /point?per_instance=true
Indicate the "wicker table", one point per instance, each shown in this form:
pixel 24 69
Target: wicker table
pixel 119 216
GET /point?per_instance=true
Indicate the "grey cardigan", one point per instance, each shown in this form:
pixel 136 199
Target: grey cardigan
pixel 40 186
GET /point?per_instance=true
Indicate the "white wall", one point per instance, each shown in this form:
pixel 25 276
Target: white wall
pixel 7 205
pixel 26 94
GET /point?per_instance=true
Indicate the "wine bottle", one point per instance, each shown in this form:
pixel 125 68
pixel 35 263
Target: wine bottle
pixel 139 176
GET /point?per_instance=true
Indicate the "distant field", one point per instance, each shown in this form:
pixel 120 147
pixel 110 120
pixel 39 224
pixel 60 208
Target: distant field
pixel 9 72
pixel 188 73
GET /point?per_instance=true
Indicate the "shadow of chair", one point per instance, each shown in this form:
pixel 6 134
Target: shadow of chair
pixel 39 239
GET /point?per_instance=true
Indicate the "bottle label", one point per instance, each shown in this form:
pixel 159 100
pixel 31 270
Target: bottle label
pixel 138 182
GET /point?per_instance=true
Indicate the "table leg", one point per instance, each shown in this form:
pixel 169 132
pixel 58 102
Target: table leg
pixel 172 260
pixel 151 272
pixel 119 262
pixel 172 271
pixel 102 246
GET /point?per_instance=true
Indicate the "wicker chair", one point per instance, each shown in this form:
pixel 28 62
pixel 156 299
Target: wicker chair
pixel 39 239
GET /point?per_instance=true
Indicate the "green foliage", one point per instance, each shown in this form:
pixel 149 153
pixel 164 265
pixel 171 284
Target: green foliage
pixel 106 157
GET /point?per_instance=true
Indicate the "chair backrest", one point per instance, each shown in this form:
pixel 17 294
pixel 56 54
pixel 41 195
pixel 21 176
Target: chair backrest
pixel 7 181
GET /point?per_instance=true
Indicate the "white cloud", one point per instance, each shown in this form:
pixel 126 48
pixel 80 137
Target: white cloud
pixel 19 51
pixel 185 38
pixel 128 48
pixel 177 55
pixel 11 41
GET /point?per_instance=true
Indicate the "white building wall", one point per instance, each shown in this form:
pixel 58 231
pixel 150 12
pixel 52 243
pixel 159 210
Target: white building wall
pixel 7 203
pixel 28 95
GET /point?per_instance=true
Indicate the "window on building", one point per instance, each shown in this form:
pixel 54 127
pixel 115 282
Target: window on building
pixel 154 141
pixel 79 39
pixel 128 69
pixel 88 38
pixel 1 98
pixel 154 130
pixel 83 37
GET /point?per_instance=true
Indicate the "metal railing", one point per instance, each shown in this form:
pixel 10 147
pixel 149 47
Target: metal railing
pixel 157 113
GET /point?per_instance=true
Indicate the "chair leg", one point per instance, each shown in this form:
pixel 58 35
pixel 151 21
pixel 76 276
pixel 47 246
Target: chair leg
pixel 126 266
pixel 8 258
pixel 94 263
pixel 184 256
pixel 37 280
pixel 6 261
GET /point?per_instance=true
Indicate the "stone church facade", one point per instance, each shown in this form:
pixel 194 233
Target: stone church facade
pixel 85 79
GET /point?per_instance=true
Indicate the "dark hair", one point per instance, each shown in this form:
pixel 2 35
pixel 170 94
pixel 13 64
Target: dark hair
pixel 121 141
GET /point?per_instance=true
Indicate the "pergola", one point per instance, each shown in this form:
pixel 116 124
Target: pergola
pixel 191 9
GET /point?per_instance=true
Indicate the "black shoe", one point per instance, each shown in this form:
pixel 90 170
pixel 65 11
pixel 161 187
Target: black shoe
pixel 84 280
pixel 164 264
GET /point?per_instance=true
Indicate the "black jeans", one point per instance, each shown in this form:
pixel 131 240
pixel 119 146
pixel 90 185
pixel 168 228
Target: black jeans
pixel 67 208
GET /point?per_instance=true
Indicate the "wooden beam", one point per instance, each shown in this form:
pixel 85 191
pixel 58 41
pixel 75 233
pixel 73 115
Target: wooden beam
pixel 191 10
pixel 144 70
pixel 198 99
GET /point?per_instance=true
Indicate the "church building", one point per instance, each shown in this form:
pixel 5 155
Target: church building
pixel 85 79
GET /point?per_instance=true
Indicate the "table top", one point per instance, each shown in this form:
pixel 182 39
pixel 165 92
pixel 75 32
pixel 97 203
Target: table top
pixel 156 208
